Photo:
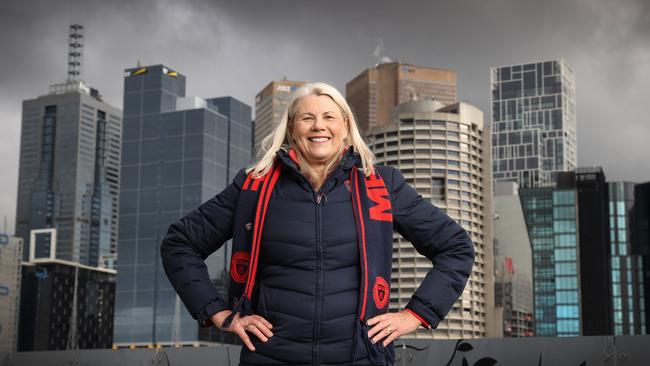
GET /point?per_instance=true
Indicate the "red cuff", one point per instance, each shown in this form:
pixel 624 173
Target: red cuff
pixel 424 322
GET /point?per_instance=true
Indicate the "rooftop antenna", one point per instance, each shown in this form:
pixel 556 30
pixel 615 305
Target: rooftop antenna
pixel 75 53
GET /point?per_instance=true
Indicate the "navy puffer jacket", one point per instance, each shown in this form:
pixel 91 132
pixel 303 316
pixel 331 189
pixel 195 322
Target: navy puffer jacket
pixel 308 273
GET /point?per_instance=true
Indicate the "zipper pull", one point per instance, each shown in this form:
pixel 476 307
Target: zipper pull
pixel 319 197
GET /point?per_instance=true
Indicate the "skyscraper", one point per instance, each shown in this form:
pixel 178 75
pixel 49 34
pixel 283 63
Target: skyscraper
pixel 513 262
pixel 270 104
pixel 10 257
pixel 374 92
pixel 568 225
pixel 627 267
pixel 178 152
pixel 444 153
pixel 70 168
pixel 641 244
pixel 533 122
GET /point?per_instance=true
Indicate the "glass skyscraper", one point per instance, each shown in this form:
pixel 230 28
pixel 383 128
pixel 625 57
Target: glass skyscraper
pixel 627 267
pixel 551 217
pixel 533 122
pixel 69 172
pixel 178 152
pixel 568 226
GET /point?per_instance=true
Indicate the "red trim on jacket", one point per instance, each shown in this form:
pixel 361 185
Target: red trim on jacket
pixel 424 322
pixel 355 178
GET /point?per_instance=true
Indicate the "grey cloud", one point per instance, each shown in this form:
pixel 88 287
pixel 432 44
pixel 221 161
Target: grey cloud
pixel 236 47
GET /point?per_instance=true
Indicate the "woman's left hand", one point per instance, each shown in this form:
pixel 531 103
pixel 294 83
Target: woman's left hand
pixel 389 326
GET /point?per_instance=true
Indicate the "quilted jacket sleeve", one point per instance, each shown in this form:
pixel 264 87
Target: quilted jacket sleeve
pixel 439 238
pixel 190 240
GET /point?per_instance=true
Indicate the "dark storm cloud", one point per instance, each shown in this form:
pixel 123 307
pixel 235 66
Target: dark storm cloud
pixel 236 47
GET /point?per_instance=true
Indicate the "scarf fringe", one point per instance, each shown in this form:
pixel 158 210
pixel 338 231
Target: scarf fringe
pixel 243 308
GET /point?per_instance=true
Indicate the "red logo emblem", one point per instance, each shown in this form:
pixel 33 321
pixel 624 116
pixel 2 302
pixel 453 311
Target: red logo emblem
pixel 239 266
pixel 380 292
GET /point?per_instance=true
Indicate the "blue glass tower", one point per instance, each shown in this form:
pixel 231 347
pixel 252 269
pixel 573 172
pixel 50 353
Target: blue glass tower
pixel 178 152
pixel 627 267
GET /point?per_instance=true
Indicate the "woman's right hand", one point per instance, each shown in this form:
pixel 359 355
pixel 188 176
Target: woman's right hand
pixel 240 325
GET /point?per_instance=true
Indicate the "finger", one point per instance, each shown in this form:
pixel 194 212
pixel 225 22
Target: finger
pixel 263 328
pixel 391 337
pixel 385 332
pixel 244 337
pixel 266 322
pixel 376 319
pixel 377 328
pixel 253 329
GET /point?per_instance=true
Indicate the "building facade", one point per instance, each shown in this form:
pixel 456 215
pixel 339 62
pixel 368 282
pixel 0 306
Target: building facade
pixel 641 242
pixel 270 105
pixel 513 262
pixel 178 152
pixel 11 255
pixel 533 122
pixel 374 92
pixel 65 305
pixel 568 226
pixel 69 172
pixel 443 152
pixel 627 267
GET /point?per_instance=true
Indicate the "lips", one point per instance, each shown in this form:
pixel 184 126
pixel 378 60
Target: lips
pixel 319 139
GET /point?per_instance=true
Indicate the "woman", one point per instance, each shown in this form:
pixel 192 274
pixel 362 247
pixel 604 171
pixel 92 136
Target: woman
pixel 312 225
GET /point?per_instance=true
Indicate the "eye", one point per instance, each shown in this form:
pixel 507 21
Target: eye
pixel 307 118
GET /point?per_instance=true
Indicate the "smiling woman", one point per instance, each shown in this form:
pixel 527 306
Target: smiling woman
pixel 312 230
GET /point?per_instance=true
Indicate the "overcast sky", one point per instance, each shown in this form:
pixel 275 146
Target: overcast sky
pixel 236 47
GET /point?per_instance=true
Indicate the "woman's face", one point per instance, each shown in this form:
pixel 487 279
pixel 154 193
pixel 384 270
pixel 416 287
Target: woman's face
pixel 319 128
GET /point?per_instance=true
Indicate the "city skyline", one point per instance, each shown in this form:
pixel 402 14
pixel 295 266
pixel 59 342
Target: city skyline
pixel 235 49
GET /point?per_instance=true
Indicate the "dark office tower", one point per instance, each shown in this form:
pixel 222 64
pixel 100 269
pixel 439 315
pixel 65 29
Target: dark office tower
pixel 627 267
pixel 568 226
pixel 178 152
pixel 65 305
pixel 641 245
pixel 69 169
pixel 595 258
pixel 533 122
pixel 374 92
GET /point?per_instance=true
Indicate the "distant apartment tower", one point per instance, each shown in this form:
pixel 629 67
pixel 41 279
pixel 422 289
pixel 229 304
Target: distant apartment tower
pixel 513 262
pixel 10 258
pixel 47 306
pixel 568 227
pixel 178 152
pixel 627 267
pixel 270 104
pixel 374 92
pixel 443 151
pixel 533 122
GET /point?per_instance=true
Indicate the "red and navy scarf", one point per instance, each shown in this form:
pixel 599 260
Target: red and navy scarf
pixel 374 222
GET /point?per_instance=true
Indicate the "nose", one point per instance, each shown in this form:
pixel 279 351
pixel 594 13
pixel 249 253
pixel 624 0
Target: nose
pixel 318 124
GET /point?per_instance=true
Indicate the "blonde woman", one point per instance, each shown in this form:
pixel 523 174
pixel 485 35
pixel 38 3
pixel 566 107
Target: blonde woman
pixel 312 225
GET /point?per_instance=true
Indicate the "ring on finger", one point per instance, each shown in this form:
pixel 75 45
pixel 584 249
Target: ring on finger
pixel 389 330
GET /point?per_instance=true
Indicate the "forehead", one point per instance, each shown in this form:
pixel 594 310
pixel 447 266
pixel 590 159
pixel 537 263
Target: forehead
pixel 316 104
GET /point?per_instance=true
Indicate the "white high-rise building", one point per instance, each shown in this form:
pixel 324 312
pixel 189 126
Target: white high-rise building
pixel 444 152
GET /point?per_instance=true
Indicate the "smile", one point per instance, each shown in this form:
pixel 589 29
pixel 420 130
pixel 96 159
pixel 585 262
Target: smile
pixel 319 139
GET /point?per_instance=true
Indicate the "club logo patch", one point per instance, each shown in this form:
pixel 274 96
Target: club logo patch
pixel 348 185
pixel 380 292
pixel 239 266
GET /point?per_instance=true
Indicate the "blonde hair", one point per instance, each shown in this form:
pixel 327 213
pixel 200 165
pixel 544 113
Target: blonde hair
pixel 280 138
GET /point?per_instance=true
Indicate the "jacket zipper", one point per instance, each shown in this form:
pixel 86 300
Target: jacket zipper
pixel 319 276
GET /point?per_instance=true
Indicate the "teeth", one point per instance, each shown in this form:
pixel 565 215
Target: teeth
pixel 319 139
